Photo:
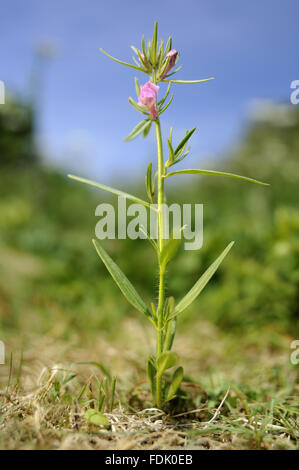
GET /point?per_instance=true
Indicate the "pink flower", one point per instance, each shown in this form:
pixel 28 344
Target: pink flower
pixel 148 97
pixel 172 58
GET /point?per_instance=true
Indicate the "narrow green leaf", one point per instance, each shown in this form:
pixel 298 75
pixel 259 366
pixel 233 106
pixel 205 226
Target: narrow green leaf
pixel 177 378
pixel 144 51
pixel 169 251
pixel 214 173
pixel 68 379
pixel 148 182
pixel 111 190
pixel 122 281
pixel 163 68
pixel 144 61
pixel 188 81
pixel 151 240
pixel 171 154
pixel 149 49
pixel 137 130
pixel 136 62
pixel 137 52
pixel 123 63
pixel 134 49
pixel 170 134
pixel 183 155
pixel 154 311
pixel 137 87
pixel 102 386
pixel 160 54
pixel 101 402
pixel 171 151
pixel 82 391
pixel 162 101
pixel 170 334
pixel 168 46
pixel 18 375
pixel 201 283
pixel 154 44
pixel 147 129
pixel 166 106
pixel 171 304
pixel 151 375
pixel 175 71
pixel 166 360
pixel 112 392
pixel 183 142
pixel 139 108
pixel 95 417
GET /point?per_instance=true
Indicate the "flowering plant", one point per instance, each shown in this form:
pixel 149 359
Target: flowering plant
pixel 158 62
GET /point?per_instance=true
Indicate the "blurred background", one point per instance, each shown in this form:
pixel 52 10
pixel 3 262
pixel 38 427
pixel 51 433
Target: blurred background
pixel 66 110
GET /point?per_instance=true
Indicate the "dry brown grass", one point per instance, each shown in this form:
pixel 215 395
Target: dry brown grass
pixel 258 411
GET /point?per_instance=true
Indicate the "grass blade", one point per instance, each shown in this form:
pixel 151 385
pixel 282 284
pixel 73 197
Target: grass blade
pixel 112 393
pixel 151 375
pixel 97 364
pixel 10 372
pixel 19 371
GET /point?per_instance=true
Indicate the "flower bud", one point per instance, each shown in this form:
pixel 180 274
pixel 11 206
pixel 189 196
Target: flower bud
pixel 172 58
pixel 148 98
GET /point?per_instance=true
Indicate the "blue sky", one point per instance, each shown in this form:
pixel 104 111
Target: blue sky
pixel 251 48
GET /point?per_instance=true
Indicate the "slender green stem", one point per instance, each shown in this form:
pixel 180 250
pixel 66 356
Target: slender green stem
pixel 160 182
pixel 161 244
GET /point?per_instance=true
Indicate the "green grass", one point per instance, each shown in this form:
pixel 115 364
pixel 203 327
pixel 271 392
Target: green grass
pixel 45 402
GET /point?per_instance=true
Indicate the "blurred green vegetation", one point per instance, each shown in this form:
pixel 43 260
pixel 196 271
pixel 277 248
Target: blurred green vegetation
pixel 17 146
pixel 52 280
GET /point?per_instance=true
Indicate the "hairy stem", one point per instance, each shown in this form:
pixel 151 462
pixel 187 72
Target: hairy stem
pixel 161 244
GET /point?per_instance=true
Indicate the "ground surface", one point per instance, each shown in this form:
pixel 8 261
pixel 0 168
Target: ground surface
pixel 248 397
